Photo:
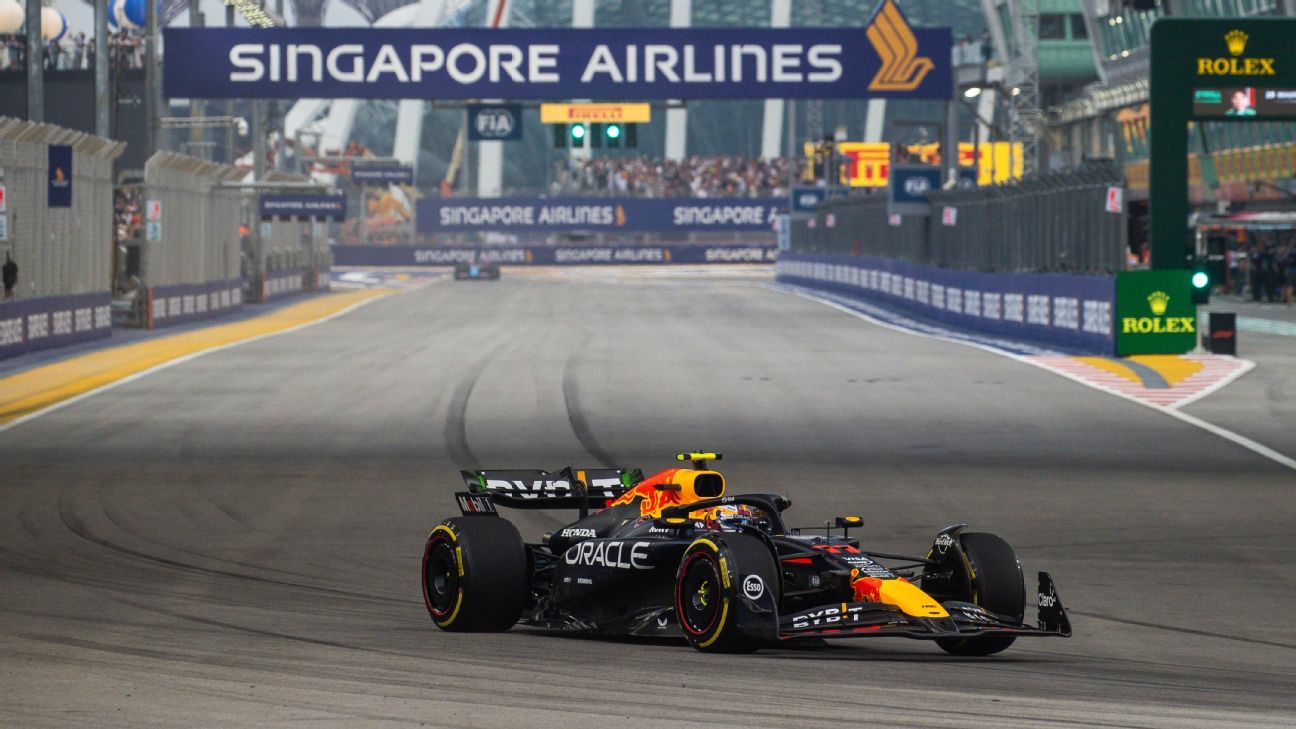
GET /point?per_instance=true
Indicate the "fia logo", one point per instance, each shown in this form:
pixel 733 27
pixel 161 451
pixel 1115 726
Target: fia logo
pixel 495 123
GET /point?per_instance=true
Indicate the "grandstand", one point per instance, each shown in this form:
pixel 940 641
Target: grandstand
pixel 713 128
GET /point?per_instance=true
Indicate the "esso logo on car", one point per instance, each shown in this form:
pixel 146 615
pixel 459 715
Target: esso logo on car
pixel 917 185
pixel 753 587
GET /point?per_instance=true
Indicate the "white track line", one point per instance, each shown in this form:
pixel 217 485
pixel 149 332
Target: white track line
pixel 1224 433
pixel 181 360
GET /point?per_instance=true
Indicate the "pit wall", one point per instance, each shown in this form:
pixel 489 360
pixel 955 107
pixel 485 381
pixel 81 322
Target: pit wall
pixel 286 283
pixel 27 325
pixel 185 303
pixel 1062 311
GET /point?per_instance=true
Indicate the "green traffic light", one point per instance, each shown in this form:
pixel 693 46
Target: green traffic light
pixel 613 131
pixel 578 131
pixel 1200 280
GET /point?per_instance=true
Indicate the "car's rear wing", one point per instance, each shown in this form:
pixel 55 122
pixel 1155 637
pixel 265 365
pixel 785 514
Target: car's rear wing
pixel 567 488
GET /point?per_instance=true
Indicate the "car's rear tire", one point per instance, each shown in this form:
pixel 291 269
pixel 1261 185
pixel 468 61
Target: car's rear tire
pixel 707 587
pixel 995 576
pixel 475 574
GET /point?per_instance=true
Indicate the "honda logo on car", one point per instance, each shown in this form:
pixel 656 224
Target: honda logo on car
pixel 612 554
pixel 577 532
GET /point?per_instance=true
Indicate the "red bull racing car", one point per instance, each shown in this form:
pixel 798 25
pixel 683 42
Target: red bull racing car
pixel 674 554
pixel 476 272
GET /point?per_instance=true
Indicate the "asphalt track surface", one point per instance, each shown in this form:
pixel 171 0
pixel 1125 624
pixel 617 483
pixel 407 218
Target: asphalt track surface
pixel 235 541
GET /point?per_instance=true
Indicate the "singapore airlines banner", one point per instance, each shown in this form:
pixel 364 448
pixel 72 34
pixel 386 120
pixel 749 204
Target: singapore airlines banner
pixel 541 215
pixel 885 58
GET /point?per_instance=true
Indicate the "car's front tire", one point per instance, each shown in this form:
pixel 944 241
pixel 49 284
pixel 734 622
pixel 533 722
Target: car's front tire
pixel 475 575
pixel 707 587
pixel 996 581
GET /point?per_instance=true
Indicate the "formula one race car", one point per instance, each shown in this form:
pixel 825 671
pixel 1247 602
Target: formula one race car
pixel 673 554
pixel 474 271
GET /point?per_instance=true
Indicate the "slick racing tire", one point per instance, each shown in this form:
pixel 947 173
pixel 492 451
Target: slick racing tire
pixel 475 574
pixel 997 585
pixel 707 588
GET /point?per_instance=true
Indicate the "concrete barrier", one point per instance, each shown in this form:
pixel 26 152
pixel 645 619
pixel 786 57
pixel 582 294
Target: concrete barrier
pixel 552 255
pixel 184 303
pixel 1066 311
pixel 27 325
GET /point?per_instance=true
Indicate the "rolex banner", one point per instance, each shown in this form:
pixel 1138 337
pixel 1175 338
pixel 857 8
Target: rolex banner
pixel 1155 313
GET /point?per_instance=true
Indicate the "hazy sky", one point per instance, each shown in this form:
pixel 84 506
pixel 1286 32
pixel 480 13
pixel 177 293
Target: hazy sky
pixel 80 14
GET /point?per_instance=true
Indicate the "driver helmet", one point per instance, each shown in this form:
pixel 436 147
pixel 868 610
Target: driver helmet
pixel 729 516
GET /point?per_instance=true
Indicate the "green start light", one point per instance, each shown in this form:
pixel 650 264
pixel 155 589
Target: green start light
pixel 1200 280
pixel 614 131
pixel 578 131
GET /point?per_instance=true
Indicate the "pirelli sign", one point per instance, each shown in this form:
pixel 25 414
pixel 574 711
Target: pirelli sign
pixel 595 113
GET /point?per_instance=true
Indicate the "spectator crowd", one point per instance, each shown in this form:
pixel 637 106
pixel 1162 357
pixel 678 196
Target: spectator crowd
pixel 73 52
pixel 128 215
pixel 722 176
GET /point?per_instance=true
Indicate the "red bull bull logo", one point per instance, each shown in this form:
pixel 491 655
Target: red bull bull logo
pixel 867 589
pixel 651 499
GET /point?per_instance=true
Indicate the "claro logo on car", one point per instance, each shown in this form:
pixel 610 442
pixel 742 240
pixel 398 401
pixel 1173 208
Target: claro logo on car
pixel 612 554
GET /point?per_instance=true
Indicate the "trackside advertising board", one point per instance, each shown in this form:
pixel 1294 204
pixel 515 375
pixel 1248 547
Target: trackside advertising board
pixel 369 255
pixel 886 58
pixel 1155 313
pixel 1055 310
pixel 538 215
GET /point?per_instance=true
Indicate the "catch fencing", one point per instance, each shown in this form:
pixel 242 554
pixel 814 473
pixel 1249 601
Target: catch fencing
pixel 56 225
pixel 190 257
pixel 59 250
pixel 1052 223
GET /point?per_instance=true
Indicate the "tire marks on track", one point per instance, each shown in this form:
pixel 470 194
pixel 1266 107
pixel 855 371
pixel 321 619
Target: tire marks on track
pixel 580 424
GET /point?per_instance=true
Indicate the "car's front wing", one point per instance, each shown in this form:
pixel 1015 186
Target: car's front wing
pixel 966 620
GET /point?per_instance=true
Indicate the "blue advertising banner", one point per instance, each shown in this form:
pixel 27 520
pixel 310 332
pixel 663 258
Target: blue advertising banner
pixel 517 215
pixel 886 58
pixel 382 175
pixel 60 176
pixel 303 206
pixel 806 199
pixel 911 183
pixel 367 255
pixel 1058 310
pixel 494 122
pixel 27 325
